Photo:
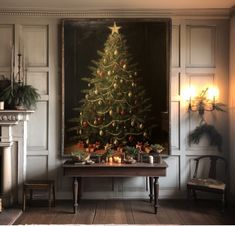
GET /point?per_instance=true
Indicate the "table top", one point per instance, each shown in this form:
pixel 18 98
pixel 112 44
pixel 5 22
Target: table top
pixel 68 164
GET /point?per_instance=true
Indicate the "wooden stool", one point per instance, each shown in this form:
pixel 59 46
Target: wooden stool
pixel 32 185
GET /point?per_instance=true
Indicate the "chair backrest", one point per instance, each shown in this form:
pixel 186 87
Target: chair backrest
pixel 213 166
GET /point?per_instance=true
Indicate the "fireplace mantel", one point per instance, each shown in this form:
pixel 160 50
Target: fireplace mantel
pixel 11 120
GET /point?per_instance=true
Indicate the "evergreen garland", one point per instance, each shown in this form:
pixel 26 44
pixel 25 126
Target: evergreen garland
pixel 210 131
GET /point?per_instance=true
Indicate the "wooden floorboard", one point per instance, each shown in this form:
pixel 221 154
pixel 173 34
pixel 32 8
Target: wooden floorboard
pixel 129 212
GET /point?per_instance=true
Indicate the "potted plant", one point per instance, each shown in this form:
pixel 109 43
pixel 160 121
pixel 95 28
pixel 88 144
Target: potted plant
pixel 20 96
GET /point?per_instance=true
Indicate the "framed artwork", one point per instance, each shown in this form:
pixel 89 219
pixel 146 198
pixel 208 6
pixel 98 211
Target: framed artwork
pixel 96 52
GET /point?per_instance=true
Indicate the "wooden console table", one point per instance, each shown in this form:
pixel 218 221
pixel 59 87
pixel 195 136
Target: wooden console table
pixel 153 171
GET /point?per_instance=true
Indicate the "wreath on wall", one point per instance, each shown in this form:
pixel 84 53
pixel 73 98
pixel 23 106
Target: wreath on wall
pixel 205 129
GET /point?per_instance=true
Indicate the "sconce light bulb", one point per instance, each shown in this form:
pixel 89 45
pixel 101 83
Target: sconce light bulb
pixel 189 93
pixel 213 93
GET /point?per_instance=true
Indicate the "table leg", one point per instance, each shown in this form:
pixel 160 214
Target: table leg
pixel 156 194
pixel 151 189
pixel 75 194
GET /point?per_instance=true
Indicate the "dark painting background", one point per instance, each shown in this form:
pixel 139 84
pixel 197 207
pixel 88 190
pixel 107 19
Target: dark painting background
pixel 148 42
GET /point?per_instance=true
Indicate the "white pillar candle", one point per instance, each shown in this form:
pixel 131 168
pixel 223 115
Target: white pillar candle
pixel 1 105
pixel 151 159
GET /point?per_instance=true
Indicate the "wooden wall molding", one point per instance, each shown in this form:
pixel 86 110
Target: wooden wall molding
pixel 154 13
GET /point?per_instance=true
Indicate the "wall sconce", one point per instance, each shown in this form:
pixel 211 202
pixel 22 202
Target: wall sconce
pixel 205 101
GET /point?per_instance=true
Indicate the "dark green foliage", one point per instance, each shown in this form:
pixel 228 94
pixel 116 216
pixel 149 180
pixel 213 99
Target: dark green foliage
pixel 20 95
pixel 210 131
pixel 131 151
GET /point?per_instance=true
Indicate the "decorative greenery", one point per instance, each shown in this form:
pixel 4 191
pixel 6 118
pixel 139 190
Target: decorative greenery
pixel 20 95
pixel 131 151
pixel 205 129
pixel 157 148
pixel 80 155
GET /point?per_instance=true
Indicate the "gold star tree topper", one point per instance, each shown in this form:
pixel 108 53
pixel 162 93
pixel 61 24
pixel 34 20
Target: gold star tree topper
pixel 115 28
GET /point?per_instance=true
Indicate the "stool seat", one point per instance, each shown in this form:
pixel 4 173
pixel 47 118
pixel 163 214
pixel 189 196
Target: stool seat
pixel 32 185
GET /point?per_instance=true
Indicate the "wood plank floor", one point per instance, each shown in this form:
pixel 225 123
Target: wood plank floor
pixel 129 212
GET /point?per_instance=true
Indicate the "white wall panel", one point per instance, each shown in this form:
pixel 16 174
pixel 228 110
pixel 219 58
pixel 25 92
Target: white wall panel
pixel 35 45
pixel 38 128
pixel 36 167
pixel 175 46
pixel 171 181
pixel 39 80
pixel 201 46
pixel 6 43
pixel 175 125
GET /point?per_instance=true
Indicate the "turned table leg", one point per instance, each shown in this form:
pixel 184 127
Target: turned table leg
pixel 156 194
pixel 151 189
pixel 75 194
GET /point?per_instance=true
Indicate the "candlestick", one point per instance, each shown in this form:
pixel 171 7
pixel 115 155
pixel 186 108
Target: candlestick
pixel 12 65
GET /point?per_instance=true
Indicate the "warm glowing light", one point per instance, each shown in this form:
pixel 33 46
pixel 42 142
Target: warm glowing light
pixel 189 93
pixel 213 93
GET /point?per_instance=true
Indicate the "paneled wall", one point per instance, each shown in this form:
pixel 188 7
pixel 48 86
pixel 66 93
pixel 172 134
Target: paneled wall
pixel 232 104
pixel 199 57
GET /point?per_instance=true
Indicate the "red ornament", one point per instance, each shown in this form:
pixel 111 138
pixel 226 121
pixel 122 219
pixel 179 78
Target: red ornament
pixel 84 124
pixel 122 112
pixel 99 119
pixel 130 138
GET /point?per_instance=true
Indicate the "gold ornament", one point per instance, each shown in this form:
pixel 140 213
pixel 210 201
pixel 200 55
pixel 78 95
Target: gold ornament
pixel 135 73
pixel 87 96
pixel 95 122
pixel 130 94
pixel 132 122
pixel 145 134
pixel 87 141
pixel 124 66
pixel 80 131
pixel 115 52
pixel 104 60
pixel 101 133
pixel 115 85
pixel 89 84
pixel 113 124
pixel 121 81
pixel 141 126
pixel 111 112
pixel 115 28
pixel 80 113
pixel 133 84
pixel 99 102
pixel 96 91
pixel 130 76
pixel 98 71
pixel 109 73
pixel 115 142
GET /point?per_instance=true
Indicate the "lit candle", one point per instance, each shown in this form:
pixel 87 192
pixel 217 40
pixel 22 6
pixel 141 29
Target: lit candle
pixel 110 160
pixel 119 160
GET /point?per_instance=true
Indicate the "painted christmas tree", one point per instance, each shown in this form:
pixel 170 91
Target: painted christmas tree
pixel 115 108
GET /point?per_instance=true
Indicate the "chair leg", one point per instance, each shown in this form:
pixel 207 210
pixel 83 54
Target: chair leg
pixel 53 188
pixel 223 202
pixel 24 200
pixel 49 198
pixel 189 193
pixel 194 195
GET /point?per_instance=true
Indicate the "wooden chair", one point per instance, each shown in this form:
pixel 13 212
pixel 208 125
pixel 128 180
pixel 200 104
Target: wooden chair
pixel 211 183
